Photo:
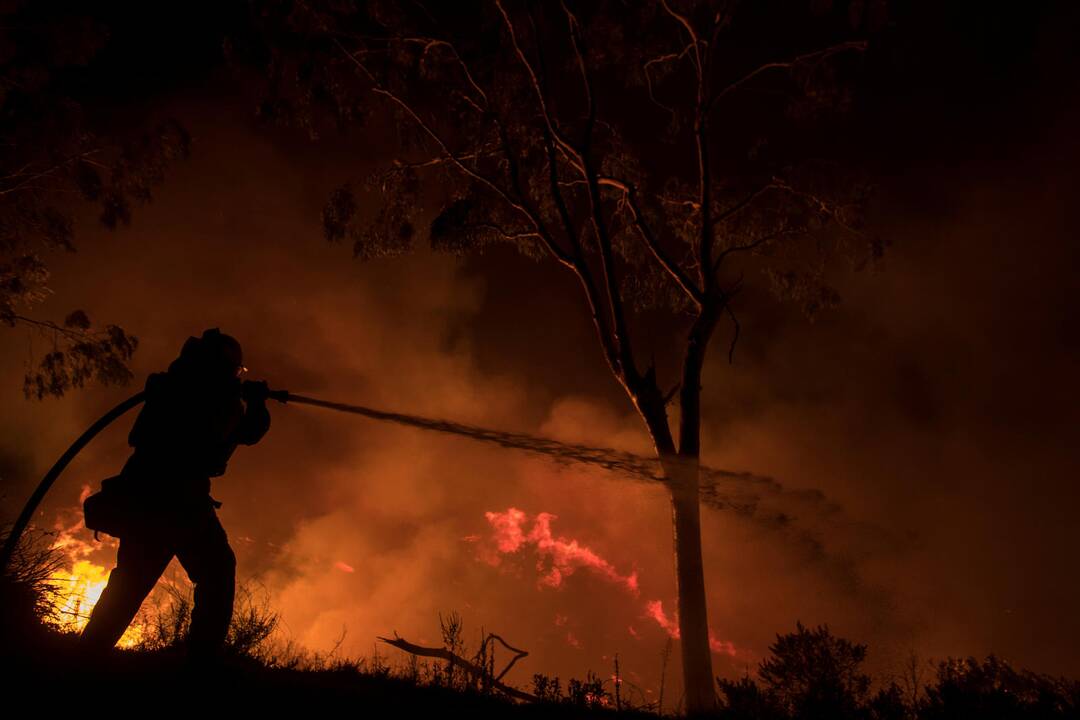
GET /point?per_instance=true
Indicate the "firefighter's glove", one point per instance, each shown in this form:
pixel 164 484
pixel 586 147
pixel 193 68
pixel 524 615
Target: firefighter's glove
pixel 255 391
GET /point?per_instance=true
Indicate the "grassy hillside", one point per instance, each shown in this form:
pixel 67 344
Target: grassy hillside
pixel 809 674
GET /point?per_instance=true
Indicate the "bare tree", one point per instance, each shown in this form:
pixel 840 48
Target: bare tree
pixel 662 153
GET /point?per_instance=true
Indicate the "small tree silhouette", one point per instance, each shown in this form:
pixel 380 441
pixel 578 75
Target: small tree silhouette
pixel 813 674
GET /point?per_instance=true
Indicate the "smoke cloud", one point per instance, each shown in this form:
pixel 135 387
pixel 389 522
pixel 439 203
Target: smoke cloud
pixel 921 435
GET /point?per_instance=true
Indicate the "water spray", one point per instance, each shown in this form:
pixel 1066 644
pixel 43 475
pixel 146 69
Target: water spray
pixel 636 466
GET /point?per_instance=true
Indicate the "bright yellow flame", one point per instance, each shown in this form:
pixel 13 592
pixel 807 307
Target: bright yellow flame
pixel 76 592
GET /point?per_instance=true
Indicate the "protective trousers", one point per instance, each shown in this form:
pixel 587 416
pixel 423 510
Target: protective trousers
pixel 202 547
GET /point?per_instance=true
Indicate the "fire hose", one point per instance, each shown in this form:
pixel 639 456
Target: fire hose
pixel 21 523
pixel 606 458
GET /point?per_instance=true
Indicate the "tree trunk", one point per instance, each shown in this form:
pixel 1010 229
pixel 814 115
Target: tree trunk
pixel 690 579
pixel 681 472
pixel 686 511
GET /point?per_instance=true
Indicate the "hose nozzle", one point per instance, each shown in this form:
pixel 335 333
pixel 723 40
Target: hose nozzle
pixel 282 396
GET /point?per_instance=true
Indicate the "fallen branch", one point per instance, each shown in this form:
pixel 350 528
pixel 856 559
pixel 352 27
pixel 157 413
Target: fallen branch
pixel 472 668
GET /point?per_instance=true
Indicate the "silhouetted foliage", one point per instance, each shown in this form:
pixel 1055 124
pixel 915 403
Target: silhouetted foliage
pixel 79 354
pixel 27 590
pixel 888 704
pixel 744 699
pixel 992 688
pixel 266 667
pixel 810 673
pixel 167 624
pixel 52 162
pixel 589 692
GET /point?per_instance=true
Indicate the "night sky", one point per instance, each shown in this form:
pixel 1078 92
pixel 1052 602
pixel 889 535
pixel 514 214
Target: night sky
pixel 936 408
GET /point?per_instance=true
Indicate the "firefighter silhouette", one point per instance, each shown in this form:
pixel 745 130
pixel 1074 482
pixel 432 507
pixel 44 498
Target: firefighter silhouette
pixel 194 417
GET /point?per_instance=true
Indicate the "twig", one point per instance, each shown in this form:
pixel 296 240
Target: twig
pixel 473 669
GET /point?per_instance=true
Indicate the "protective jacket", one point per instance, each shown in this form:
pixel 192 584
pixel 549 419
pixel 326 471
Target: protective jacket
pixel 186 432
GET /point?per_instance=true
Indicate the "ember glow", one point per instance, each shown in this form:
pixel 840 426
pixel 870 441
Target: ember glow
pixel 75 592
pixel 654 609
pixel 76 588
pixel 558 557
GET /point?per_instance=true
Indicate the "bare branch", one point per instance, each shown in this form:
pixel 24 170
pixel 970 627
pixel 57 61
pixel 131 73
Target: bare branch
pixel 702 147
pixel 518 654
pixel 533 77
pixel 472 668
pixel 435 42
pixel 607 260
pixel 431 162
pixel 827 209
pixel 609 342
pixel 747 201
pixel 754 244
pixel 651 241
pixel 648 77
pixel 590 100
pixel 458 162
pixel 704 192
pixel 786 64
pixel 507 234
pixel 24 183
pixel 48 325
pixel 735 337
pixel 670 394
pixel 428 44
pixel 685 22
pixel 737 208
pixel 692 204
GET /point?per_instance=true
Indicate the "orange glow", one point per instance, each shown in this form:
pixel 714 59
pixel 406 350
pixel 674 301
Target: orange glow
pixel 75 592
pixel 76 589
pixel 654 609
pixel 558 557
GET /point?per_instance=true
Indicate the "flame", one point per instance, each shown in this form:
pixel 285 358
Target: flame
pixel 76 589
pixel 721 647
pixel 76 592
pixel 509 536
pixel 594 699
pixel 654 609
pixel 558 557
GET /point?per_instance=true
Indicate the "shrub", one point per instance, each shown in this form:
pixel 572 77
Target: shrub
pixel 166 624
pixel 27 590
pixel 992 688
pixel 812 674
pixel 744 699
